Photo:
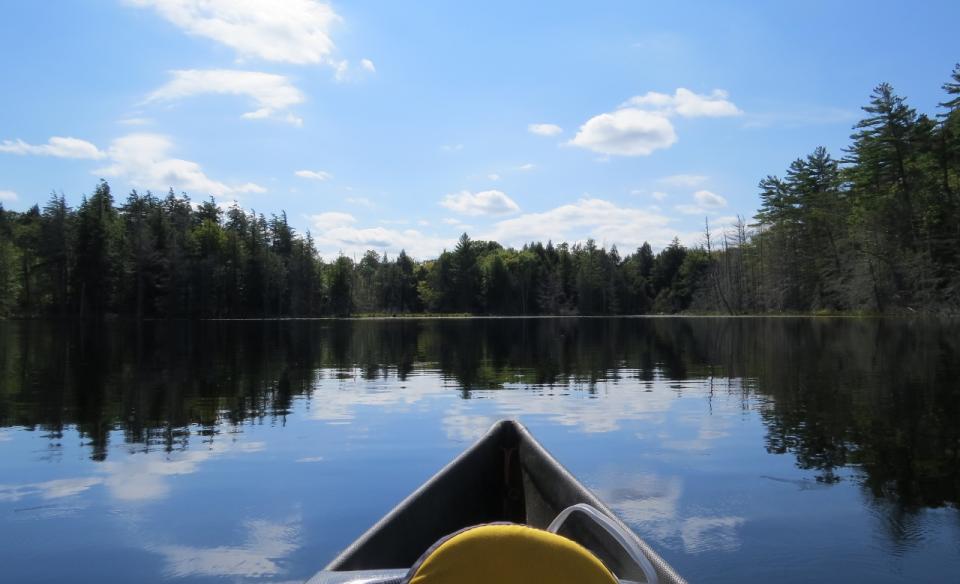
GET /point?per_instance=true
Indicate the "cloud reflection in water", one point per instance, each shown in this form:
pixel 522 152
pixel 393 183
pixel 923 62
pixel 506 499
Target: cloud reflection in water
pixel 267 544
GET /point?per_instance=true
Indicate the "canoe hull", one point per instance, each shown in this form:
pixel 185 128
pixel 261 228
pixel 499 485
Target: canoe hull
pixel 505 476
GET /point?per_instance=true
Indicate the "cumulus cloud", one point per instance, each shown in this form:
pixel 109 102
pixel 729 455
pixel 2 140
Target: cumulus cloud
pixel 331 220
pixel 144 160
pixel 272 95
pixel 8 196
pixel 642 124
pixel 57 146
pixel 626 132
pixel 544 129
pixel 527 166
pixel 604 221
pixel 336 233
pixel 709 199
pixel 483 203
pixel 314 174
pixel 686 103
pixel 355 241
pixel 292 31
pixel 368 65
pixel 705 203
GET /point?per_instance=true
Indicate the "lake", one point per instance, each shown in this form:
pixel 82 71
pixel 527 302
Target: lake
pixel 742 449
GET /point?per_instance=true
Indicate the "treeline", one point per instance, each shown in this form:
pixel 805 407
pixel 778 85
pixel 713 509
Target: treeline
pixel 166 257
pixel 876 230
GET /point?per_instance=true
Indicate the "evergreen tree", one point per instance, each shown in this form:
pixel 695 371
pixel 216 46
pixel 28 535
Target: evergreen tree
pixel 97 253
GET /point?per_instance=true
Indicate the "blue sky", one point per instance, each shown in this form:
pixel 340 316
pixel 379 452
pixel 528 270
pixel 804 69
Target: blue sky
pixel 388 125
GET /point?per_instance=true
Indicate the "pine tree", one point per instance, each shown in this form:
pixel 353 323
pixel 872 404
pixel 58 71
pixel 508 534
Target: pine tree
pixel 97 253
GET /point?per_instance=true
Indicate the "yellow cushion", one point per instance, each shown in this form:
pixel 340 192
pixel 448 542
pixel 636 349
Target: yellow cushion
pixel 508 554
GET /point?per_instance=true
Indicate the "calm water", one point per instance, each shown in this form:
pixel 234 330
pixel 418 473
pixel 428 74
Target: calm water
pixel 788 450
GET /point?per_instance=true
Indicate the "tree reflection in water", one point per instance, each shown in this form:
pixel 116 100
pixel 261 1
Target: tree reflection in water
pixel 880 397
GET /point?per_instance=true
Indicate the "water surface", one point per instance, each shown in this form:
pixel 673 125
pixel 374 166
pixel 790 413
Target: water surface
pixel 754 449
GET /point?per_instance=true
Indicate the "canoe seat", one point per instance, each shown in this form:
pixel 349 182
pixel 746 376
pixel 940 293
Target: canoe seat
pixel 508 554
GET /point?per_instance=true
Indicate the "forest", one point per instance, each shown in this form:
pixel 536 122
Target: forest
pixel 873 230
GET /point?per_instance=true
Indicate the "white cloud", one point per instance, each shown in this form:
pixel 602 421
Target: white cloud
pixel 331 220
pixel 686 103
pixel 368 65
pixel 55 489
pixel 705 203
pixel 146 476
pixel 355 241
pixel 452 147
pixel 144 160
pixel 465 428
pixel 653 503
pixel 272 94
pixel 314 174
pixel 709 200
pixel 602 220
pixel 138 477
pixel 135 121
pixel 642 125
pixel 58 146
pixel 544 129
pixel 8 196
pixel 683 180
pixel 340 70
pixel 266 544
pixel 493 176
pixel 483 203
pixel 659 195
pixel 336 233
pixel 360 202
pixel 527 166
pixel 626 132
pixel 292 31
pixel 711 534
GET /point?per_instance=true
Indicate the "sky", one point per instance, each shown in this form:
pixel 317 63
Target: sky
pixel 394 125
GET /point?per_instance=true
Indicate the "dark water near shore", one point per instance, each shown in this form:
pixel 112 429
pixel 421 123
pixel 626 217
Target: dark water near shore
pixel 787 450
